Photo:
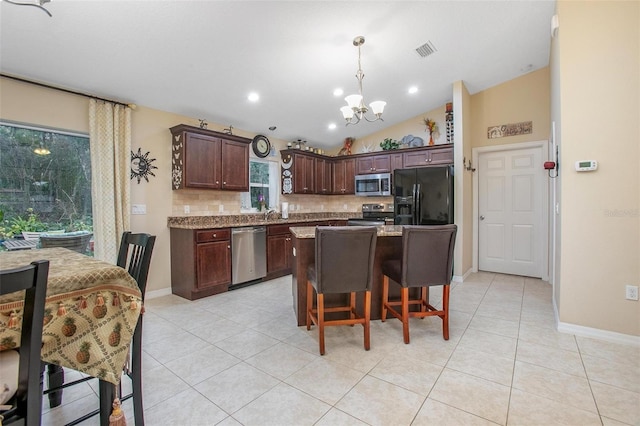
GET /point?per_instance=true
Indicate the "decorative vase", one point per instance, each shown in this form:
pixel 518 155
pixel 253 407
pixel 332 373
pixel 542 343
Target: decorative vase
pixel 431 142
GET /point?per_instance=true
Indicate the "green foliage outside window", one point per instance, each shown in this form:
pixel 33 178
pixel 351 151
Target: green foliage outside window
pixel 259 184
pixel 47 191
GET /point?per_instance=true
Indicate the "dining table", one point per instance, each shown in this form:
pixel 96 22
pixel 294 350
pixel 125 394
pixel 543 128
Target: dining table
pixel 91 311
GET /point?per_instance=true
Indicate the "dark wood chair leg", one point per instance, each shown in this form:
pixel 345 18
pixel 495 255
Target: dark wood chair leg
pixel 136 376
pixel 107 394
pixel 55 375
pixel 404 296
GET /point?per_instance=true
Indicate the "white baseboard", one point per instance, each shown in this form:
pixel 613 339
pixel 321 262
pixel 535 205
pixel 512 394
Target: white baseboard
pixel 461 278
pixel 596 333
pixel 157 293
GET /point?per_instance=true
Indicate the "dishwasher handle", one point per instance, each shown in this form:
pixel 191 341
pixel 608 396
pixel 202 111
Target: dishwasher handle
pixel 249 230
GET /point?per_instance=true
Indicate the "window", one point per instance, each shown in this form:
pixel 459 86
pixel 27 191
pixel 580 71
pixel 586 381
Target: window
pixel 45 180
pixel 263 185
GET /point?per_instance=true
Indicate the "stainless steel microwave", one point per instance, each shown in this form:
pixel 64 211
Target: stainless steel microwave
pixel 373 185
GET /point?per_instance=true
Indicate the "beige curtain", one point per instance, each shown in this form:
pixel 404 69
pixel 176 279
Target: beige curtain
pixel 110 141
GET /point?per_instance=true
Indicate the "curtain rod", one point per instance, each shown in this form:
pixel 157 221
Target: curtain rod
pixel 73 92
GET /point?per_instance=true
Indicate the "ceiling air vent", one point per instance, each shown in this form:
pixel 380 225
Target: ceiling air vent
pixel 426 49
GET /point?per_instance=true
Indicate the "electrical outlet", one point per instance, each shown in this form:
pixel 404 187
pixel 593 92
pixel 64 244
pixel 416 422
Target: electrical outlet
pixel 220 208
pixel 631 292
pixel 187 209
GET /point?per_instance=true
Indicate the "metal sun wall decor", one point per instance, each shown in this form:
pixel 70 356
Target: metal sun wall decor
pixel 141 165
pixel 512 129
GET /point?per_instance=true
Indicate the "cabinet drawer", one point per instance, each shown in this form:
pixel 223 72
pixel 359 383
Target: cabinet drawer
pixel 280 229
pixel 212 235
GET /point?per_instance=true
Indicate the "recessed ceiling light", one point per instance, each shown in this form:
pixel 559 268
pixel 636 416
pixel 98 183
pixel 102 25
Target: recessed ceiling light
pixel 332 126
pixel 253 97
pixel 413 89
pixel 338 92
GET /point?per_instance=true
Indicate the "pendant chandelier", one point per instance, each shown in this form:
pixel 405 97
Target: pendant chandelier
pixel 355 110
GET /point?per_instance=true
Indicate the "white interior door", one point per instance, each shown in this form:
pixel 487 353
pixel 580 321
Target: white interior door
pixel 510 211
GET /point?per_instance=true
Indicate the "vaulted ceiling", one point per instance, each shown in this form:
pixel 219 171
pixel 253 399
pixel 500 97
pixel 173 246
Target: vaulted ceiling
pixel 202 58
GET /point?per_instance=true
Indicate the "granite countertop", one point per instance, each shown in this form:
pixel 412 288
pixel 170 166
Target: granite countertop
pixel 226 221
pixel 310 231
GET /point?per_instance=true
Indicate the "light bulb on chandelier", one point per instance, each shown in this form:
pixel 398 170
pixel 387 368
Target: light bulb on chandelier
pixel 355 110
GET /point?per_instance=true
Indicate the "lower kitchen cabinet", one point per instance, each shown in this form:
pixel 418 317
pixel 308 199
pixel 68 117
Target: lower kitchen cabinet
pixel 200 262
pixel 279 251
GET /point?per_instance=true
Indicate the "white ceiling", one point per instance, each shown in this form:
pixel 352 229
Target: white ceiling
pixel 202 58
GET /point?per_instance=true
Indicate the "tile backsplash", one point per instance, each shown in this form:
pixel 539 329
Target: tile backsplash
pixel 212 203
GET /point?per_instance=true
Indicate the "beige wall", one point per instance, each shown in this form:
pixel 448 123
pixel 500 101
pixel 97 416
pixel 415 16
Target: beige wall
pixel 599 63
pixel 522 99
pixel 463 111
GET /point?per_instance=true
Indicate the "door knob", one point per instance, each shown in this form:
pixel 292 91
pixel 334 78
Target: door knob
pixel 481 217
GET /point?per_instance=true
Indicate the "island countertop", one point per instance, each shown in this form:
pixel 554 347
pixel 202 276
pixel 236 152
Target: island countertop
pixel 310 231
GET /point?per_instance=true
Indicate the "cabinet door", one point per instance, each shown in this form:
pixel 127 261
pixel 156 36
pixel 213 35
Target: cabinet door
pixel 432 156
pixel 396 162
pixel 278 253
pixel 235 166
pixel 303 174
pixel 441 156
pixel 200 169
pixel 373 164
pixel 416 159
pixel 343 176
pixel 323 176
pixel 213 263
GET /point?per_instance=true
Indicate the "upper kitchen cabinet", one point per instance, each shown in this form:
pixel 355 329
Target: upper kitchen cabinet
pixel 298 173
pixel 206 159
pixel 323 176
pixel 344 172
pixel 437 155
pixel 371 164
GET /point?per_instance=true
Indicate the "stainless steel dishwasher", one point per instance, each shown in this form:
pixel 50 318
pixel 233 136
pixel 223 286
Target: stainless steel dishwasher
pixel 248 254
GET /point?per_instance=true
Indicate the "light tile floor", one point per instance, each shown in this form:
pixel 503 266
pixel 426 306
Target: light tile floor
pixel 238 358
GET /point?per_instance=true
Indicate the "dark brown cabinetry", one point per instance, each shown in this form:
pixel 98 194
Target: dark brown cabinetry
pixel 200 262
pixel 206 159
pixel 309 173
pixel 303 174
pixel 279 250
pixel 323 176
pixel 379 163
pixel 431 157
pixel 344 171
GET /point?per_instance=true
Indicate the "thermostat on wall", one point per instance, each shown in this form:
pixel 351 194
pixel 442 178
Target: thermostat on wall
pixel 586 165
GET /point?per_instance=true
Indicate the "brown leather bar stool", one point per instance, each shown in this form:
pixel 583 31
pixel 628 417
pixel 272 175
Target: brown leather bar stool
pixel 344 264
pixel 427 260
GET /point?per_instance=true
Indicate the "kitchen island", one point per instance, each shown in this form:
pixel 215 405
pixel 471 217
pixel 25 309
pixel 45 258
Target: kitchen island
pixel 388 246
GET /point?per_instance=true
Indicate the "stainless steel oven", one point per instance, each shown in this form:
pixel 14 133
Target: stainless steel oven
pixel 373 185
pixel 374 215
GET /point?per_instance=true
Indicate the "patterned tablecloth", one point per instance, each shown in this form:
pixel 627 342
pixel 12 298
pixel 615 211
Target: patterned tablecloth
pixel 91 312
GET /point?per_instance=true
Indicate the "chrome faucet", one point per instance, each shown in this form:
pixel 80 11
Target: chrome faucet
pixel 267 213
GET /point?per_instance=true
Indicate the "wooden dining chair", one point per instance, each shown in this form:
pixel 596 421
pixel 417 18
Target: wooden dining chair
pixel 134 255
pixel 427 260
pixel 343 264
pixel 26 403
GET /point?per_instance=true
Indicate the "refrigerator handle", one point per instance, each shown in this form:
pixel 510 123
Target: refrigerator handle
pixel 416 204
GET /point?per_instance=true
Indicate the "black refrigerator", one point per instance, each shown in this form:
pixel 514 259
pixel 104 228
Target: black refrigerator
pixel 423 196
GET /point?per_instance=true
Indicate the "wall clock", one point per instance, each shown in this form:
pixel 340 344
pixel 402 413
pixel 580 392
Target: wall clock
pixel 261 146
